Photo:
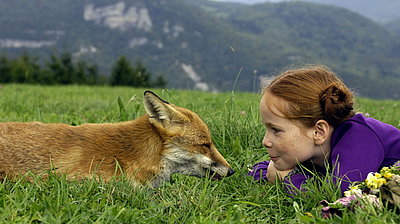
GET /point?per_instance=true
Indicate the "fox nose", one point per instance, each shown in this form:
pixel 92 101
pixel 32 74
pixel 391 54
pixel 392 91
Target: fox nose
pixel 230 172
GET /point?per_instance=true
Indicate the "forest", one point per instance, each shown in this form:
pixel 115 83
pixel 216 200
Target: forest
pixel 64 70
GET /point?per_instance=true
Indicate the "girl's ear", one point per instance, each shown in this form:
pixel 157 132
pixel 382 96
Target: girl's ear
pixel 322 132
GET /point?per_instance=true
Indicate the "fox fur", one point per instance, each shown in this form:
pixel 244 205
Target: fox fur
pixel 167 140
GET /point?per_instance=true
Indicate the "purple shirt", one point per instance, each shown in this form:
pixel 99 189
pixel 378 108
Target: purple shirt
pixel 358 146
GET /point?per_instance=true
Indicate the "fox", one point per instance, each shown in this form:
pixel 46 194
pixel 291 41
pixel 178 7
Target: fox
pixel 166 140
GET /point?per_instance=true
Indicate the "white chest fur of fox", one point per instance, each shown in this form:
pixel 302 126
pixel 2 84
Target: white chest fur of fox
pixel 167 140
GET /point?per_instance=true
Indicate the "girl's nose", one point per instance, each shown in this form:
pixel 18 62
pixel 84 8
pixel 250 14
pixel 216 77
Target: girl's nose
pixel 266 142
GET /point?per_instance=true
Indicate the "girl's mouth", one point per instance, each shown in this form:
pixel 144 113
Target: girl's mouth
pixel 274 158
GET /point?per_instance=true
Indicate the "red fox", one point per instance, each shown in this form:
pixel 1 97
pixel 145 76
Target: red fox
pixel 167 140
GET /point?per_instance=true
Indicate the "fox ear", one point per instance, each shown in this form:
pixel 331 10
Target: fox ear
pixel 160 111
pixel 155 106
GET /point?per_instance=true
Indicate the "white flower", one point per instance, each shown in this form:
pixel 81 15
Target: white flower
pixel 353 191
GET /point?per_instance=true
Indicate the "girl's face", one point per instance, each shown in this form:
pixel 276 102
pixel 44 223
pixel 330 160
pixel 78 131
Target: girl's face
pixel 288 142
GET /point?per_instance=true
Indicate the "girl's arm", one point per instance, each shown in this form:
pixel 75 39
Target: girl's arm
pixel 259 171
pixel 266 170
pixel 293 180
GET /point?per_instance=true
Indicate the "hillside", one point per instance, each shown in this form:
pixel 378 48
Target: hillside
pixel 166 35
pixel 364 53
pixel 393 26
pixel 205 46
pixel 379 11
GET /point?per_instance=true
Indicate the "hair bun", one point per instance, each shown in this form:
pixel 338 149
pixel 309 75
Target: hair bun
pixel 337 103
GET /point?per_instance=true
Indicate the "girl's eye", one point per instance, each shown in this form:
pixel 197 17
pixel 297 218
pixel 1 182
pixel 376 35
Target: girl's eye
pixel 275 130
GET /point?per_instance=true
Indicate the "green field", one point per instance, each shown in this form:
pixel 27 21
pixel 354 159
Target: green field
pixel 237 133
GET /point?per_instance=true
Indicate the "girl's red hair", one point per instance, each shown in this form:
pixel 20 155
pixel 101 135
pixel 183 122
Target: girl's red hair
pixel 310 94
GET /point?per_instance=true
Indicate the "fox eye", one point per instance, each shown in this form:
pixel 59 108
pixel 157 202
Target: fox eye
pixel 207 145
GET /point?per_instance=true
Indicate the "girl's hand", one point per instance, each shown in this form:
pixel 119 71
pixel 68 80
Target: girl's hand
pixel 272 173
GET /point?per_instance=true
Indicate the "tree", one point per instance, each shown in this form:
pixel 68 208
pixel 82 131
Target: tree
pixel 138 76
pixel 121 72
pixel 61 68
pixel 64 70
pixel 80 73
pixel 24 69
pixel 5 70
pixel 141 76
pixel 92 76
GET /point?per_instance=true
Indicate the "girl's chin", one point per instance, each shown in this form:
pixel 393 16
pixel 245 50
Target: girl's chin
pixel 282 167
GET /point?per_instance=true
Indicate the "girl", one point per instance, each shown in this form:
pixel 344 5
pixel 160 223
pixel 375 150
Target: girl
pixel 309 119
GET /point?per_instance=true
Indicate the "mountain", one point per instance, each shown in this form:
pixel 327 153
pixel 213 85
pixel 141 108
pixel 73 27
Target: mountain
pixel 207 45
pixel 175 39
pixel 394 26
pixel 382 11
pixel 364 53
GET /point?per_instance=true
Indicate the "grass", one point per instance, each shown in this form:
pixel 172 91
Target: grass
pixel 236 131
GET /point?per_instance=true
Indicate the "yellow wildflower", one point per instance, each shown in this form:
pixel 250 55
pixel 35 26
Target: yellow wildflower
pixel 374 181
pixel 386 173
pixel 385 170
